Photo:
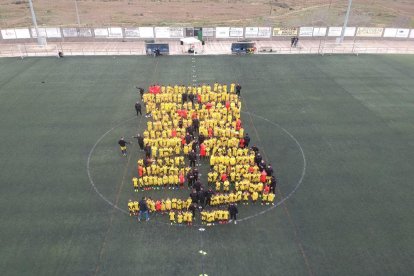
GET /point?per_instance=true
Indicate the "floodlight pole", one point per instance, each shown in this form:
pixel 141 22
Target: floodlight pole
pixel 39 39
pixel 77 12
pixel 348 11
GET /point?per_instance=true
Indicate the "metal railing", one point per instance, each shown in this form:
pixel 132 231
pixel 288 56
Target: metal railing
pixel 32 51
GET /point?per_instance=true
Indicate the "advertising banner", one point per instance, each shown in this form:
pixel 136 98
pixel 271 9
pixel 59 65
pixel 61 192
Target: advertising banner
pixel 162 32
pixel 101 32
pixel 115 32
pixel 8 34
pixel 369 32
pixel 390 32
pixel 70 32
pixel 264 32
pixel 319 31
pixel 402 33
pixel 236 32
pixel 285 31
pixel 306 31
pixel 208 32
pixel 176 32
pixel 334 31
pixel 42 32
pixel 22 33
pixel 53 32
pixel 85 32
pixel 251 32
pixel 222 32
pixel 131 32
pixel 146 32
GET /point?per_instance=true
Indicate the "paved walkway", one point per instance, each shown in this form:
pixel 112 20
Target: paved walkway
pixel 211 48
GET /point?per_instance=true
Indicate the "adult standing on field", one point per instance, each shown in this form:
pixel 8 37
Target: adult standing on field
pixel 140 140
pixel 122 143
pixel 138 108
pixel 233 212
pixel 141 91
pixel 238 89
pixel 143 210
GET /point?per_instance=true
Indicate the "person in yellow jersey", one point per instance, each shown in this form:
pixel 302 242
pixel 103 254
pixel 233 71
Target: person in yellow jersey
pixel 265 197
pixel 174 203
pixel 255 196
pixel 131 208
pixel 203 217
pixel 226 186
pixel 179 204
pixel 168 204
pixel 245 197
pixel 218 186
pixel 271 199
pixel 171 214
pixel 136 207
pixel 225 216
pixel 185 217
pixel 210 218
pixel 190 218
pixel 135 183
pixel 163 209
pixel 180 217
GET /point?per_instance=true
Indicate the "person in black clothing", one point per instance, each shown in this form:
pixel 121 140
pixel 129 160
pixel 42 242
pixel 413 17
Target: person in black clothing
pixel 190 130
pixel 122 143
pixel 143 209
pixel 208 194
pixel 255 149
pixel 295 43
pixel 197 186
pixel 238 89
pixel 201 138
pixel 273 184
pixel 196 124
pixel 194 196
pixel 141 91
pixel 246 140
pixel 184 97
pixel 140 140
pixel 138 108
pixel 180 123
pixel 195 174
pixel 191 97
pixel 194 146
pixel 201 197
pixel 269 170
pixel 292 41
pixel 192 208
pixel 148 151
pixel 188 138
pixel 233 212
pixel 262 165
pixel 190 179
pixel 258 159
pixel 192 157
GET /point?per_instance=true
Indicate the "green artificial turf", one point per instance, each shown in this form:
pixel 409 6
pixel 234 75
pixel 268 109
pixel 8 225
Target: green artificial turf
pixel 351 215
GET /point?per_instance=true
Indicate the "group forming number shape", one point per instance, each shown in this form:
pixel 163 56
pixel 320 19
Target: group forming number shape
pixel 237 175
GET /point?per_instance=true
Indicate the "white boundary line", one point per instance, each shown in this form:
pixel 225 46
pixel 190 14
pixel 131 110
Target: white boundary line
pixel 89 172
pixel 300 179
pixel 198 225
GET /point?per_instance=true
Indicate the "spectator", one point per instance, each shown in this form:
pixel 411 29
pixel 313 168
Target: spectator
pixel 143 210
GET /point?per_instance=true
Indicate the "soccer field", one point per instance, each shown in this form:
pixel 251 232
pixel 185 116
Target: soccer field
pixel 339 131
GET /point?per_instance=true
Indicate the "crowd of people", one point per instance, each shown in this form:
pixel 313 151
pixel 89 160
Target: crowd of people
pixel 190 124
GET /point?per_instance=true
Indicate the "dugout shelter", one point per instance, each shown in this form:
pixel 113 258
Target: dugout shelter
pixel 243 47
pixel 151 48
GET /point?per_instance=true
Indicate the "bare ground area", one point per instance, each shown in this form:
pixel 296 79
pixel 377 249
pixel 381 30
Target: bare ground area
pixel 15 13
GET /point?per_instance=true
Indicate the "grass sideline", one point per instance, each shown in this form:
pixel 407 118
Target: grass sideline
pixel 353 116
